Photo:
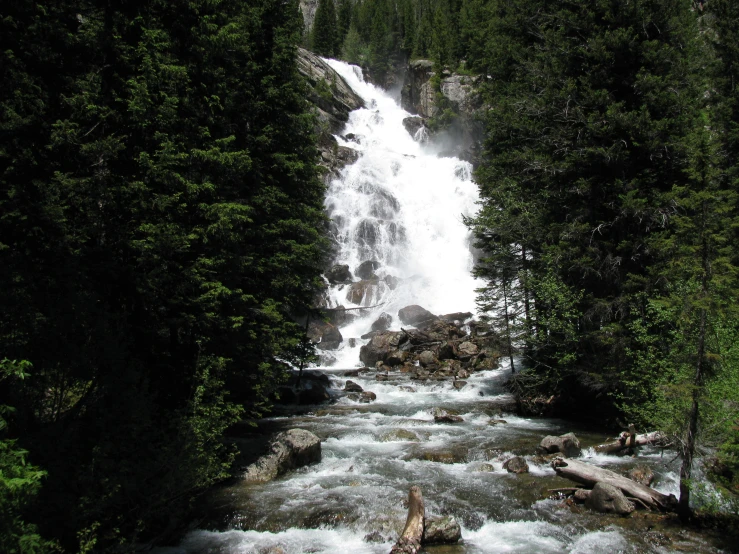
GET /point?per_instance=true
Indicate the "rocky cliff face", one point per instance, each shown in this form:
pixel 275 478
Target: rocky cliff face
pixel 308 7
pixel 453 101
pixel 333 100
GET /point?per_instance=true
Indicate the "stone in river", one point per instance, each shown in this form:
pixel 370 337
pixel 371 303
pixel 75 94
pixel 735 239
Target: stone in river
pixel 608 499
pixel 413 315
pixel 288 450
pixel 516 465
pixel 441 530
pixel 351 386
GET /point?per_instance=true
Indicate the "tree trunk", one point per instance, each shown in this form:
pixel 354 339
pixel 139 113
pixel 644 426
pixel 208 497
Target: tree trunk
pixel 410 539
pixel 588 474
pixel 507 325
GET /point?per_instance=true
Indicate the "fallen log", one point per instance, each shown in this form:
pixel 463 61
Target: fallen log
pixel 588 474
pixel 410 539
pixel 629 440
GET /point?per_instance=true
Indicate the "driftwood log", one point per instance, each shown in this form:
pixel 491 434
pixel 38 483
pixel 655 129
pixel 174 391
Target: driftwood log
pixel 629 439
pixel 410 539
pixel 588 474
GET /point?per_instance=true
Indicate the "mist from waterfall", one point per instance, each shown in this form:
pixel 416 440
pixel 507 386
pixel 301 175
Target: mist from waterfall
pixel 402 206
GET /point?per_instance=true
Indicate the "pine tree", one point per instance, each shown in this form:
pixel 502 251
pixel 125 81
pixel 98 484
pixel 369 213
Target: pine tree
pixel 325 33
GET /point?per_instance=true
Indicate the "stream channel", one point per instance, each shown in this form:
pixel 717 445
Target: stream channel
pixel 401 205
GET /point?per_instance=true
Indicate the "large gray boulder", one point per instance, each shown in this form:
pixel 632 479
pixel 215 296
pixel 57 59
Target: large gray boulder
pixel 380 347
pixel 414 314
pixel 568 445
pixel 287 450
pixel 517 464
pixel 608 500
pixel 441 530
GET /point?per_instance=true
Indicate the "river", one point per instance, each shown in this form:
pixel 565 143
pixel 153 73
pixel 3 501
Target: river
pixel 401 205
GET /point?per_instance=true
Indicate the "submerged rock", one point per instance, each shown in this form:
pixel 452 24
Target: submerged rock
pixel 366 270
pixel 441 530
pixel 351 386
pixel 641 474
pixel 394 435
pixel 609 500
pixel 442 415
pixel 287 450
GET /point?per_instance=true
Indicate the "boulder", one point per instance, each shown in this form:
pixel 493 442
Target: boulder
pixel 364 292
pixel 367 396
pixel 467 349
pixel 383 322
pixel 397 357
pixel 497 422
pixel 516 464
pixel 366 270
pixel 442 415
pixel 413 315
pixel 427 358
pixel 567 444
pixel 325 334
pixel 459 385
pixel 641 474
pixel 441 530
pixel 380 347
pixel 339 274
pixel 287 450
pixel 609 500
pixel 391 281
pixel 351 386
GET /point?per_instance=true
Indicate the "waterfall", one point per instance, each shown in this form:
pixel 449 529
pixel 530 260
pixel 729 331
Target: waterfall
pixel 402 206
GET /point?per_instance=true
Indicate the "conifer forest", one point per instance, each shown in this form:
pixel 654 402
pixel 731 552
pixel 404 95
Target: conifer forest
pixel 169 222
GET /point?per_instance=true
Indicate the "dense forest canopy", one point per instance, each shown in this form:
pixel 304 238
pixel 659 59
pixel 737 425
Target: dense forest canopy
pixel 162 229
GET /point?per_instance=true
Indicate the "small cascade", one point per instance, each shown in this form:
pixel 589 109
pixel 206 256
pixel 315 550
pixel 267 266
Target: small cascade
pixel 402 207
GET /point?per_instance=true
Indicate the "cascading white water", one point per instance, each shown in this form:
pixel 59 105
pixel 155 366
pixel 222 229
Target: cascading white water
pixel 401 206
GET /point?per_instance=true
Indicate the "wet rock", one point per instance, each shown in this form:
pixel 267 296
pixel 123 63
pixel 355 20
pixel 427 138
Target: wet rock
pixel 366 270
pixel 272 550
pixel 413 315
pixel 351 386
pixel 456 317
pixel 383 322
pixel 380 347
pixel 351 343
pixel 287 450
pixel 414 124
pixel 608 499
pixel 468 349
pixel 374 536
pixel 441 530
pixel 351 373
pixel 427 358
pixel 581 495
pixel 446 351
pixel 364 292
pixel 567 444
pixel 641 474
pixel 326 335
pixel 442 415
pixel 462 374
pixel 487 363
pixel 407 388
pixel 367 396
pixel 391 282
pixel 485 467
pixel 418 95
pixel 656 538
pixel 497 422
pixel 443 456
pixel 397 357
pixel 395 435
pixel 459 385
pixel 516 465
pixel 339 274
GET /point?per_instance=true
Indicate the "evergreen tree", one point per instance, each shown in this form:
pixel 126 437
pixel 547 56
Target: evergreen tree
pixel 326 35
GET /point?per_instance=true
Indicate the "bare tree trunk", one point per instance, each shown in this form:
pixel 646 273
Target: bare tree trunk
pixel 625 441
pixel 410 539
pixel 508 325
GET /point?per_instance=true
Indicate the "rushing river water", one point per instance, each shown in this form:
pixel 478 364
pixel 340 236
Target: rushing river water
pixel 402 206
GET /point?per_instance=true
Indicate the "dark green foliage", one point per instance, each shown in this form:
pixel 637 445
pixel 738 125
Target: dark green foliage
pixel 161 230
pixel 326 35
